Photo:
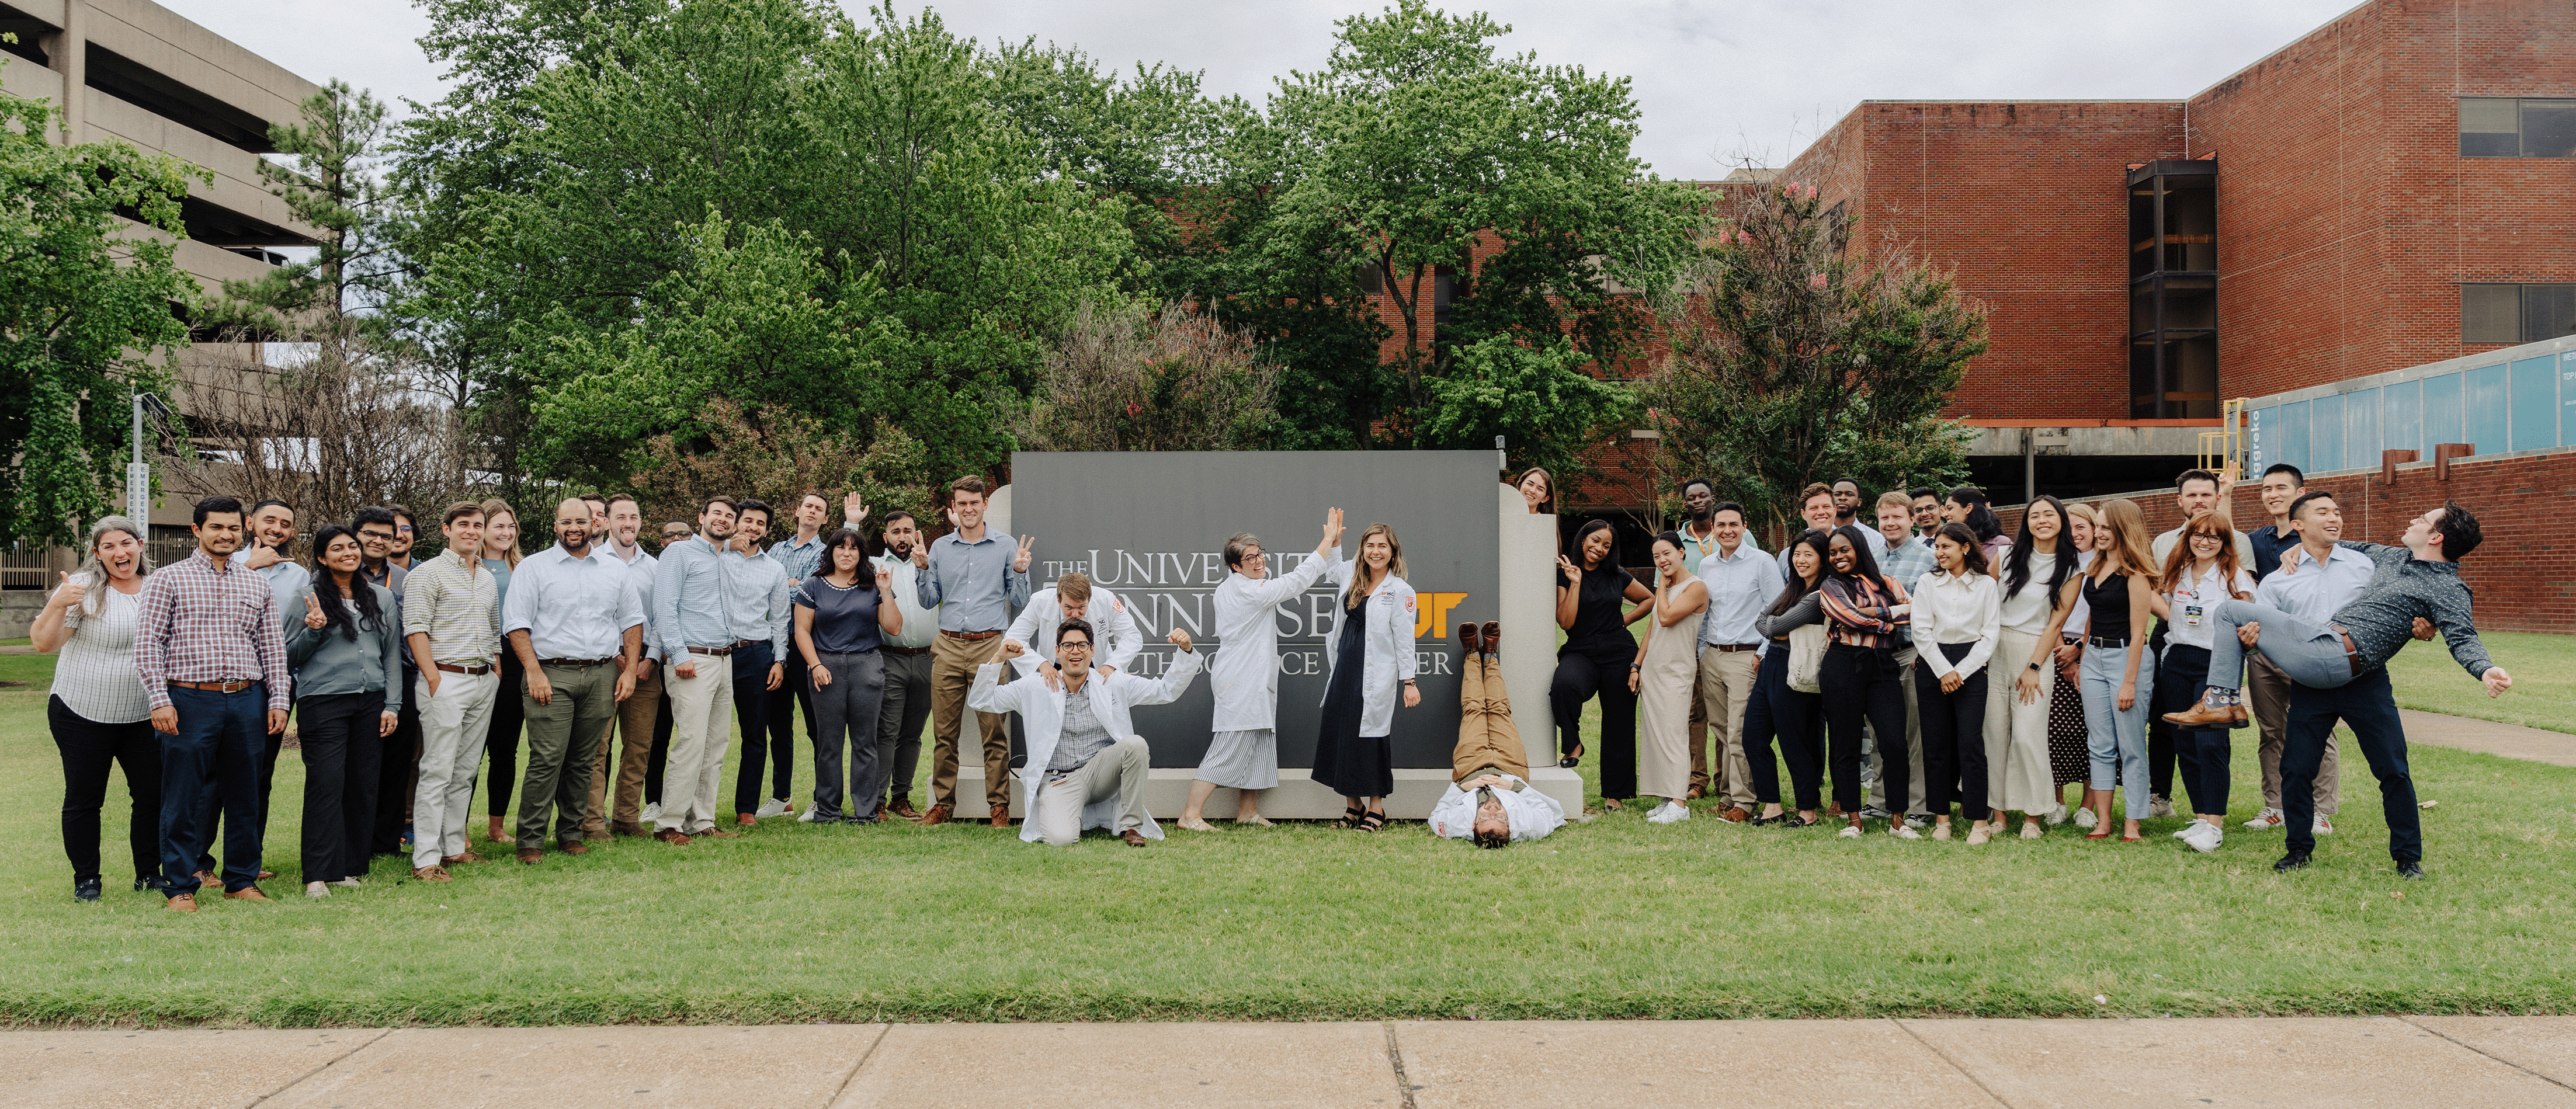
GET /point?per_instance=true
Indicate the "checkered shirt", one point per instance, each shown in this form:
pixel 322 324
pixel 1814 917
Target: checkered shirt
pixel 195 623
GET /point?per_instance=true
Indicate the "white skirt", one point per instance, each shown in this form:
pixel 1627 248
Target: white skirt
pixel 1247 759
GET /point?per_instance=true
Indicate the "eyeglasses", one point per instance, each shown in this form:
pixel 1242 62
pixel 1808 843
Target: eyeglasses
pixel 675 534
pixel 403 528
pixel 377 534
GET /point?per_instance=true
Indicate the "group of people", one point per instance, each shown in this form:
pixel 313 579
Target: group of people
pixel 1944 671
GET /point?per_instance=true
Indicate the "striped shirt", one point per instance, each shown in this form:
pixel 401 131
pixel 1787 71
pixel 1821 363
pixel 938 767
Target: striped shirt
pixel 95 673
pixel 1908 562
pixel 1856 613
pixel 756 590
pixel 197 623
pixel 458 605
pixel 1082 737
pixel 798 559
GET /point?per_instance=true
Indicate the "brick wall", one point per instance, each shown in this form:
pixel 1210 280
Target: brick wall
pixel 2524 572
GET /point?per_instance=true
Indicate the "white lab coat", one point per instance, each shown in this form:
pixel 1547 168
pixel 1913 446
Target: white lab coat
pixel 1042 710
pixel 1389 660
pixel 1244 675
pixel 1532 814
pixel 1117 640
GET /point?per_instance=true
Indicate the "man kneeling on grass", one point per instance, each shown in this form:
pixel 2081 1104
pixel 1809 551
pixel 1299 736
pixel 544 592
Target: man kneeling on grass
pixel 1086 765
pixel 1489 798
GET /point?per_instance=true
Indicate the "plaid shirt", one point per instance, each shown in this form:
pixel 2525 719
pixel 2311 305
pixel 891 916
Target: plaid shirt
pixel 197 623
pixel 1907 563
pixel 799 560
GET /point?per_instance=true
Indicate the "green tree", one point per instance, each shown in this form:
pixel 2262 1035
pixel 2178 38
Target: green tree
pixel 1801 359
pixel 83 304
pixel 1541 400
pixel 336 187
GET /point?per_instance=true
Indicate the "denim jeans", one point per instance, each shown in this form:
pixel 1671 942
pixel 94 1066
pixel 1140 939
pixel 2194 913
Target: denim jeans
pixel 2366 704
pixel 2116 739
pixel 212 761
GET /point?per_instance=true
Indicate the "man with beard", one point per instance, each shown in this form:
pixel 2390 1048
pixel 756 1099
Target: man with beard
pixel 272 531
pixel 404 534
pixel 644 716
pixel 576 621
pixel 692 616
pixel 906 707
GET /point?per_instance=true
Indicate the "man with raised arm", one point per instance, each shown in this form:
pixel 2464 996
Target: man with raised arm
pixel 1087 767
pixel 1243 754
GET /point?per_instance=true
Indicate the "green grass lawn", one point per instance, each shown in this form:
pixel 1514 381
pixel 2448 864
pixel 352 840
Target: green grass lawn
pixel 2544 680
pixel 1614 918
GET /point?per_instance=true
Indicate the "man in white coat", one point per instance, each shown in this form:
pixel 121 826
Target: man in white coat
pixel 1087 766
pixel 1495 810
pixel 1243 753
pixel 1074 598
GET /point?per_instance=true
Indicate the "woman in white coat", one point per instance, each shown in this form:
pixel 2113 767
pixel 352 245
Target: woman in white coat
pixel 1243 744
pixel 1370 654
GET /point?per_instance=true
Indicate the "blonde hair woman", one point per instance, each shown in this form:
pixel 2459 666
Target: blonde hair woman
pixel 2070 747
pixel 2120 589
pixel 1369 653
pixel 500 555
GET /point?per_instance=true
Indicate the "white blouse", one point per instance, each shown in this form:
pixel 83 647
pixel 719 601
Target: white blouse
pixel 1956 609
pixel 95 673
pixel 2195 607
pixel 2027 611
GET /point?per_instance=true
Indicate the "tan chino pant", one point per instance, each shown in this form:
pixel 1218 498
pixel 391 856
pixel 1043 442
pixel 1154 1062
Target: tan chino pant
pixel 635 719
pixel 1726 684
pixel 952 671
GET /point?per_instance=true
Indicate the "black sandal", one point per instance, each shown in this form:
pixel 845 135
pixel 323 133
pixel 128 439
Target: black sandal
pixel 1350 817
pixel 1571 761
pixel 1793 820
pixel 1372 822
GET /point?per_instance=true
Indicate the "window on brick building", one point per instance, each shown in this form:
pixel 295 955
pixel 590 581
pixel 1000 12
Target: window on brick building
pixel 2502 313
pixel 1444 289
pixel 2173 290
pixel 2500 127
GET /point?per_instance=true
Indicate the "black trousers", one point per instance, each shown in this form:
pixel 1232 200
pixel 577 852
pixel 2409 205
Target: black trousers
pixel 751 717
pixel 501 742
pixel 2181 677
pixel 1777 710
pixel 1954 736
pixel 343 758
pixel 395 769
pixel 2370 708
pixel 89 750
pixel 1578 677
pixel 661 753
pixel 792 694
pixel 1860 684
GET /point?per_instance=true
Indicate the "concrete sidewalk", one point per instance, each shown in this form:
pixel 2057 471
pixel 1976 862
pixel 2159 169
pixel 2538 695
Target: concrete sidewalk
pixel 1882 1064
pixel 2513 741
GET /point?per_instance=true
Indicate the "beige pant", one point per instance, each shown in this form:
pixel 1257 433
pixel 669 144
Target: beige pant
pixel 635 718
pixel 1487 737
pixel 1118 771
pixel 453 726
pixel 952 670
pixel 2267 693
pixel 2017 774
pixel 701 729
pixel 1726 684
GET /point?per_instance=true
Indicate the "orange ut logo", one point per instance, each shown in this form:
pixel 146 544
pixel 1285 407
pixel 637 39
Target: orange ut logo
pixel 1432 615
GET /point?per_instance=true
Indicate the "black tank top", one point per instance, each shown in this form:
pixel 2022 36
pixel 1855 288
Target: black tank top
pixel 2109 599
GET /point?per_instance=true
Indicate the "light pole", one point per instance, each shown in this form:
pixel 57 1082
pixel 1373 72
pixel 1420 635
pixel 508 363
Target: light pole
pixel 138 474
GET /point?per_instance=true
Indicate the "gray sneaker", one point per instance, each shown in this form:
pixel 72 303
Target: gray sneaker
pixel 1917 821
pixel 1872 812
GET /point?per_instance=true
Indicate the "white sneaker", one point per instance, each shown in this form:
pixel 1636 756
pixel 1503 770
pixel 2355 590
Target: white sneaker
pixel 1900 831
pixel 2323 827
pixel 770 808
pixel 2085 819
pixel 652 812
pixel 806 817
pixel 317 889
pixel 2205 836
pixel 2159 806
pixel 1668 813
pixel 2056 816
pixel 2267 820
pixel 1850 831
pixel 349 883
pixel 2188 829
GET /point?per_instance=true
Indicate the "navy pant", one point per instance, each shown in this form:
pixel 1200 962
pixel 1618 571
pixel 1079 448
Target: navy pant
pixel 751 695
pixel 2203 753
pixel 794 694
pixel 2370 709
pixel 1777 710
pixel 212 762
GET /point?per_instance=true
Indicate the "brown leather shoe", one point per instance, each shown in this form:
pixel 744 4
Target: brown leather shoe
pixel 1001 817
pixel 719 833
pixel 183 903
pixel 627 828
pixel 1492 639
pixel 264 876
pixel 209 880
pixel 530 854
pixel 576 847
pixel 1735 814
pixel 1133 837
pixel 938 814
pixel 468 857
pixel 1467 640
pixel 902 807
pixel 672 836
pixel 744 820
pixel 2204 714
pixel 246 893
pixel 1694 793
pixel 431 874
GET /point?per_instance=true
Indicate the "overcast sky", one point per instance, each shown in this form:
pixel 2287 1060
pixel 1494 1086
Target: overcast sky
pixel 1715 80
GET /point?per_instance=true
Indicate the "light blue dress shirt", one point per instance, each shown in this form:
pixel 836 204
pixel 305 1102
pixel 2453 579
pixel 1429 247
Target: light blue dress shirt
pixel 2315 597
pixel 973 584
pixel 575 608
pixel 691 599
pixel 761 607
pixel 1739 588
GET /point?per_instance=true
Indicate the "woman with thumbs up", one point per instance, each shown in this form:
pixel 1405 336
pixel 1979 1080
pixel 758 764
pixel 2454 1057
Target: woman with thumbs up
pixel 97 711
pixel 343 642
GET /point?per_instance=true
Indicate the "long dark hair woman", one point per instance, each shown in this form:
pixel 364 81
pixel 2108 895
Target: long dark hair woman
pixel 1861 680
pixel 842 617
pixel 345 649
pixel 2018 760
pixel 1967 504
pixel 1590 592
pixel 1778 710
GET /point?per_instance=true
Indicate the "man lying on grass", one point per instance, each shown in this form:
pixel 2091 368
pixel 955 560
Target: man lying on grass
pixel 1087 765
pixel 1489 798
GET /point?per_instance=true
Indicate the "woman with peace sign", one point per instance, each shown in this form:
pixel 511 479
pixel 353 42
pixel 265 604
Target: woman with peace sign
pixel 97 710
pixel 343 641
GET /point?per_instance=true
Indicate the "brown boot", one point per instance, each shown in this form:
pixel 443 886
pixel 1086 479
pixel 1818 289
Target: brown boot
pixel 2204 714
pixel 1493 638
pixel 902 807
pixel 627 828
pixel 1001 816
pixel 1467 640
pixel 1133 837
pixel 575 847
pixel 938 814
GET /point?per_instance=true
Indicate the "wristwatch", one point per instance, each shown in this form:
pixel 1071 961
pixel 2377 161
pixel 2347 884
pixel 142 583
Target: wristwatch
pixel 2034 667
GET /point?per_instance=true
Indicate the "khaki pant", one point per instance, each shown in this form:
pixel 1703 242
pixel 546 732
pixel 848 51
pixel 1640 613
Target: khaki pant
pixel 1726 682
pixel 952 670
pixel 453 726
pixel 635 717
pixel 1914 780
pixel 1487 738
pixel 701 729
pixel 2267 694
pixel 1118 771
pixel 562 742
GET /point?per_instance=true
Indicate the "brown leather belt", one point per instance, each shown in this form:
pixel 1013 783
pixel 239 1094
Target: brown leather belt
pixel 475 671
pixel 575 662
pixel 968 636
pixel 718 652
pixel 2351 651
pixel 1731 648
pixel 894 650
pixel 219 687
pixel 747 644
